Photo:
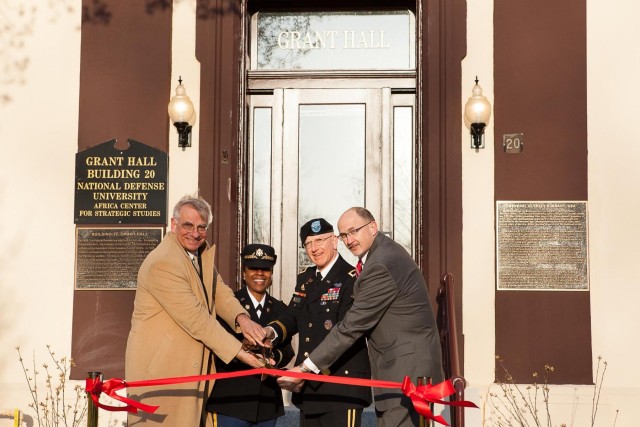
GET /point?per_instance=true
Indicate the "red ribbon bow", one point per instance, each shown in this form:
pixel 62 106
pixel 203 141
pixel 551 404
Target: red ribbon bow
pixel 95 387
pixel 421 396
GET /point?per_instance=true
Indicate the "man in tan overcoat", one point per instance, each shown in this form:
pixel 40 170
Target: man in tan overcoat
pixel 174 327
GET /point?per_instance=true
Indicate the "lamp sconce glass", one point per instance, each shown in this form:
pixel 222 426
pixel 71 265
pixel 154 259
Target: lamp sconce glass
pixel 477 112
pixel 182 114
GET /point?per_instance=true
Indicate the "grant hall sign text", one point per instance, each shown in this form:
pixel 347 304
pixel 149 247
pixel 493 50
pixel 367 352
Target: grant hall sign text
pixel 121 186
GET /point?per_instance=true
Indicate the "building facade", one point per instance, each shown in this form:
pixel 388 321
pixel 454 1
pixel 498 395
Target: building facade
pixel 305 110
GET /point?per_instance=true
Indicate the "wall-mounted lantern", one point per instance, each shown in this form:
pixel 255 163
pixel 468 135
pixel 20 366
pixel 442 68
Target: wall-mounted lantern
pixel 182 115
pixel 477 112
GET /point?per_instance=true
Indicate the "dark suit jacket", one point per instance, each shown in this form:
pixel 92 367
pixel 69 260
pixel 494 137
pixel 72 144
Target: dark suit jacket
pixel 391 306
pixel 249 398
pixel 315 308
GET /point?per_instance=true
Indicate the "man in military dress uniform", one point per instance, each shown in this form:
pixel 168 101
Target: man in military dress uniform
pixel 252 400
pixel 391 308
pixel 323 295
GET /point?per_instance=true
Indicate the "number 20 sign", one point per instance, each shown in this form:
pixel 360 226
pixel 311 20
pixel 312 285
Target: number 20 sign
pixel 513 143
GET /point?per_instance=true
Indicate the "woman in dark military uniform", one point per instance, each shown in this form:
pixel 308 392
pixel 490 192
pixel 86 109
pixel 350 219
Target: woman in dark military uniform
pixel 323 295
pixel 251 401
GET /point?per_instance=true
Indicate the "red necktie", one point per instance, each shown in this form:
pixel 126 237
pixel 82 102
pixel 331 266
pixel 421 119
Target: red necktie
pixel 359 267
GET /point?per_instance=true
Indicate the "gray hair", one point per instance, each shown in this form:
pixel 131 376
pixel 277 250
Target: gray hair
pixel 362 213
pixel 198 203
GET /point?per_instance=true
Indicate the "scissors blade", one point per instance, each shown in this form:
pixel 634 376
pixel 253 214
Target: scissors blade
pixel 267 355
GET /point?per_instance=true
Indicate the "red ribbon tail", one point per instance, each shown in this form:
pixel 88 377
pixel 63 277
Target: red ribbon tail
pixel 423 409
pixel 95 387
pixel 127 408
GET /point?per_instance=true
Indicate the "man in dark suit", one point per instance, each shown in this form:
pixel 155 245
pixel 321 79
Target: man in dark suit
pixel 252 400
pixel 391 307
pixel 323 295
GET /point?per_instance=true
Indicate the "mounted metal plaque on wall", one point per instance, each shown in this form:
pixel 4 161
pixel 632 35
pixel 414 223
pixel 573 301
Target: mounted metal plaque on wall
pixel 116 186
pixel 109 258
pixel 542 246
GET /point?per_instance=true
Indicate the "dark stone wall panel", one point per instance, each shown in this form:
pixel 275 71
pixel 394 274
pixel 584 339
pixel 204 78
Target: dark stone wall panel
pixel 540 332
pixel 439 110
pixel 540 90
pixel 125 70
pixel 218 48
pixel 125 75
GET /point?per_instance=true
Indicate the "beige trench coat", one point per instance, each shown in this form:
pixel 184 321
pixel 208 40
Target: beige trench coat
pixel 173 331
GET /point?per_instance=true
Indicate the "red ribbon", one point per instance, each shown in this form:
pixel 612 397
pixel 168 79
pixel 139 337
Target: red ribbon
pixel 421 396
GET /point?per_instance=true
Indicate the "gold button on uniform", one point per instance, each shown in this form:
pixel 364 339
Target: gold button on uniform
pixel 310 324
pixel 306 354
pixel 307 339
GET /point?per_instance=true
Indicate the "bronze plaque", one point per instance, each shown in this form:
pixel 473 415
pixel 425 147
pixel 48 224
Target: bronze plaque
pixel 116 186
pixel 542 246
pixel 109 258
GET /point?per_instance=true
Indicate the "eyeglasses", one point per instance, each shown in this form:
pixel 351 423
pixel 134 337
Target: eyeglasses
pixel 316 242
pixel 188 227
pixel 352 232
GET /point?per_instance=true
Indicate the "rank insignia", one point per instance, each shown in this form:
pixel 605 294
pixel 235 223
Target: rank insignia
pixel 328 324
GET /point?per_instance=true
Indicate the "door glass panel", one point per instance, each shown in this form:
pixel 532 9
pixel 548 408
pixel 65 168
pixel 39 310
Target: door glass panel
pixel 261 176
pixel 403 176
pixel 333 41
pixel 315 153
pixel 331 158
